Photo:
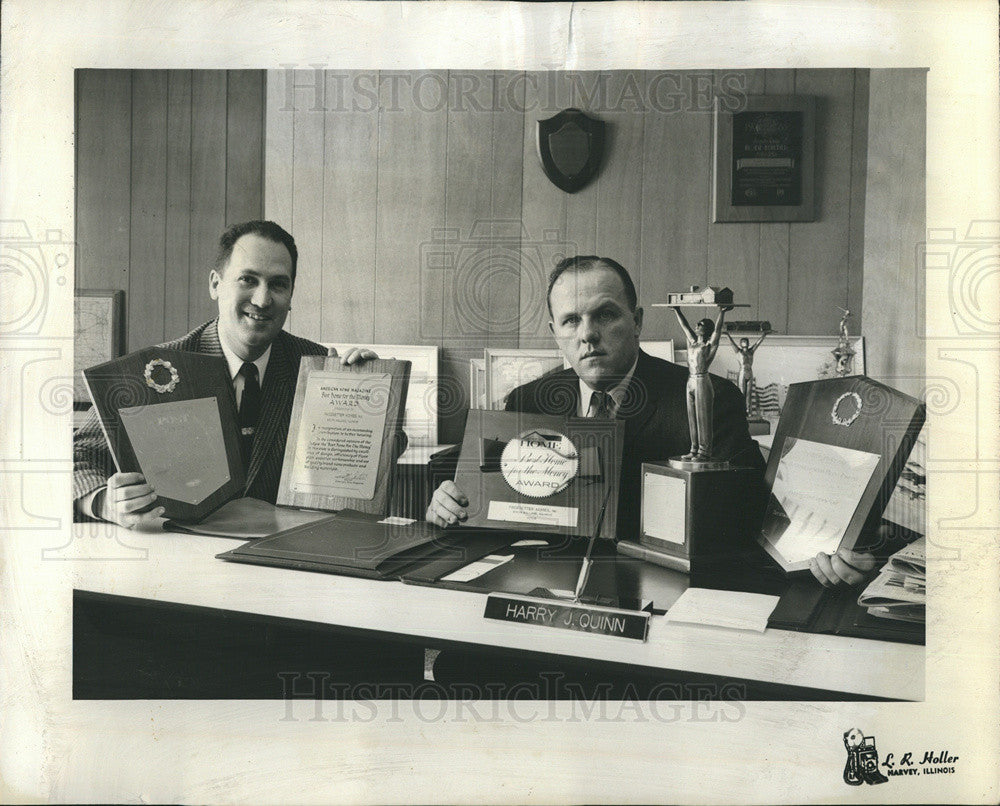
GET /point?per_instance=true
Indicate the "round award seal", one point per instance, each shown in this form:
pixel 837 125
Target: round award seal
pixel 539 463
pixel 853 412
pixel 162 388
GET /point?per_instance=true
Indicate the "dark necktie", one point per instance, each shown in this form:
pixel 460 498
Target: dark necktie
pixel 600 405
pixel 249 409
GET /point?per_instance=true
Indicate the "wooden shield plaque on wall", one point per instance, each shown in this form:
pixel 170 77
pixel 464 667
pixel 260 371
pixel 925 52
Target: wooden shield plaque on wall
pixel 570 147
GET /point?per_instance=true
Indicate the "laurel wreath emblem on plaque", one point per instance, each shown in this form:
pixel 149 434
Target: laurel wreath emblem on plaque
pixel 162 388
pixel 539 463
pixel 835 411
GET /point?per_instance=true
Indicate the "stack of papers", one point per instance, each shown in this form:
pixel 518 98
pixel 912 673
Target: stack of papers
pixel 734 610
pixel 900 590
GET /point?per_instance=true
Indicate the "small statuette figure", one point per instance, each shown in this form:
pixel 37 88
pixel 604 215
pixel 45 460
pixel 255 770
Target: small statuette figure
pixel 702 345
pixel 844 353
pixel 745 352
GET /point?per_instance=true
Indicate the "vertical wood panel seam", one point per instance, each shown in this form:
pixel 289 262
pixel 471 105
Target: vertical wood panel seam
pixel 190 187
pixel 131 156
pixel 378 166
pixel 850 190
pixel 322 210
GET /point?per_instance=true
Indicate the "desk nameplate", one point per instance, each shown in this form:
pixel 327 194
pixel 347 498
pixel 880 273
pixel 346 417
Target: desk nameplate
pixel 580 617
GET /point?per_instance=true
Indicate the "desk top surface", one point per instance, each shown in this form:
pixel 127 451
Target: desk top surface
pixel 183 569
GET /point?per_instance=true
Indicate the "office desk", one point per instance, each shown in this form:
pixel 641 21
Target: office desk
pixel 178 576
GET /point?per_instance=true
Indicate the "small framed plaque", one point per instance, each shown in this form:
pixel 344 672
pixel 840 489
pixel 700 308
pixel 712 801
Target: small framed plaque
pixel 339 452
pixel 837 454
pixel 764 160
pixel 543 473
pixel 506 369
pixel 98 336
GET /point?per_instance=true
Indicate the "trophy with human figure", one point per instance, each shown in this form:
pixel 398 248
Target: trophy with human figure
pixel 745 353
pixel 702 346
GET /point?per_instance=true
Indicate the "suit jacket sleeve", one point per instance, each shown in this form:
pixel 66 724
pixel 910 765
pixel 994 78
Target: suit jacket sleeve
pixel 92 462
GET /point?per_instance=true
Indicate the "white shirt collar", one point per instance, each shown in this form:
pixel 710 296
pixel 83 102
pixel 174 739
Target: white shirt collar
pixel 616 392
pixel 236 363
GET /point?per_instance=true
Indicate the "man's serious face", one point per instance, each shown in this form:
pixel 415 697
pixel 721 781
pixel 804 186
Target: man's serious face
pixel 254 292
pixel 593 325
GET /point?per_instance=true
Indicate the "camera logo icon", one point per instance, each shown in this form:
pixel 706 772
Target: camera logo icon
pixel 484 277
pixel 967 269
pixel 29 267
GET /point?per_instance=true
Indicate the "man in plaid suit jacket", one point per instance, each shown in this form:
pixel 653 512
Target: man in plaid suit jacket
pixel 252 282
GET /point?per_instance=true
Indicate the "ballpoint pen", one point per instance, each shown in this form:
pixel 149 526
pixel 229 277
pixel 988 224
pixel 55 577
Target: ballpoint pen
pixel 581 581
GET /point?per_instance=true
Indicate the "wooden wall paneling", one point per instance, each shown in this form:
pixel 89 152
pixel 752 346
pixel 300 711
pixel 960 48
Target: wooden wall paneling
pixel 817 281
pixel 508 122
pixel 307 219
pixel 894 222
pixel 177 225
pixel 470 284
pixel 208 185
pixel 859 173
pixel 734 248
pixel 149 202
pixel 588 91
pixel 620 183
pixel 244 145
pixel 676 169
pixel 543 210
pixel 468 210
pixel 279 155
pixel 772 291
pixel 103 209
pixel 411 201
pixel 350 181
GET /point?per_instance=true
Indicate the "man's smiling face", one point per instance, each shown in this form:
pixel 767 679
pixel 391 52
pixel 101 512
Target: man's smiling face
pixel 593 325
pixel 254 292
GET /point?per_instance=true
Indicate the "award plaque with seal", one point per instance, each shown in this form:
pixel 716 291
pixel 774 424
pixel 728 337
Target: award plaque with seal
pixel 171 415
pixel 838 451
pixel 543 473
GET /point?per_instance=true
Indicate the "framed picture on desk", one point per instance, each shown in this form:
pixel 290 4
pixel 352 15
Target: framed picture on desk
pixel 98 336
pixel 507 369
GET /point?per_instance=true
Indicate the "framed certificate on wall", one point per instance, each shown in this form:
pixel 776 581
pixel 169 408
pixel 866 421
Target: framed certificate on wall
pixel 764 159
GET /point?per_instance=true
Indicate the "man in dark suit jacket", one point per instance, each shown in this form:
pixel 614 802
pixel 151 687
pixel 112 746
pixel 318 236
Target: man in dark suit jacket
pixel 596 322
pixel 252 282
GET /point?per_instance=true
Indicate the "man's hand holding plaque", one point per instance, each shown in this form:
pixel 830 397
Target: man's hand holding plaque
pixel 126 501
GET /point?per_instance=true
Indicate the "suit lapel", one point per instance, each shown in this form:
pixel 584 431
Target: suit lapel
pixel 276 395
pixel 641 400
pixel 209 344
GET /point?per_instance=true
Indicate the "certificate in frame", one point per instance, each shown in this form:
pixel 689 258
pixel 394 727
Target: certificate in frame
pixel 764 159
pixel 848 417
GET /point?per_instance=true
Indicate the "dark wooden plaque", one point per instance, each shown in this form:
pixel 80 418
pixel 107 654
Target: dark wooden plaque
pixel 341 444
pixel 861 416
pixel 171 415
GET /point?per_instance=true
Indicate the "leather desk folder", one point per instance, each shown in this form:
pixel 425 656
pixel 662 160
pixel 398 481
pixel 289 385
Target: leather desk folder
pixel 352 543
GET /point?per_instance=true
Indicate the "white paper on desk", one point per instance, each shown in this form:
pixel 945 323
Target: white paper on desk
pixel 736 610
pixel 478 568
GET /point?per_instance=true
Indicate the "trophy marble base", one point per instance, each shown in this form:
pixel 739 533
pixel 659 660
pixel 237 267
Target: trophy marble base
pixel 694 465
pixel 695 519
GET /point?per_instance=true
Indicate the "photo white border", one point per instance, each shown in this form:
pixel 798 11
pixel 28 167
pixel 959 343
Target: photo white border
pixel 55 749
